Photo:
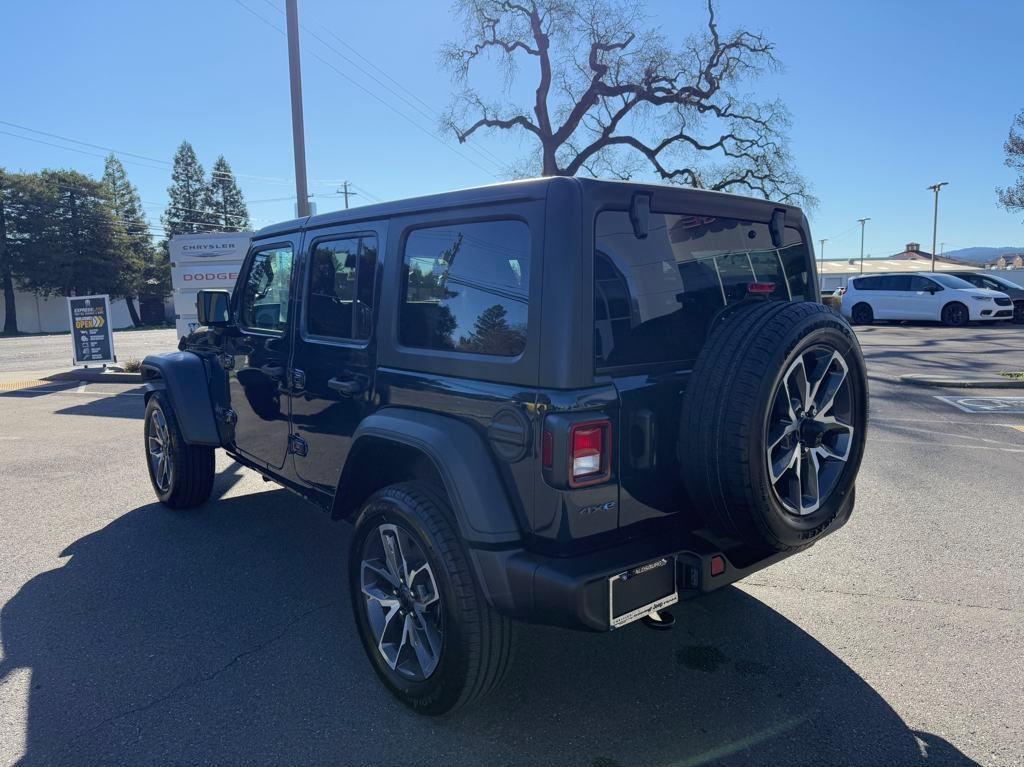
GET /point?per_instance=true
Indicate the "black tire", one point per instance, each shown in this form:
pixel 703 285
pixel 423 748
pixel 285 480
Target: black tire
pixel 862 314
pixel 1018 313
pixel 189 478
pixel 476 641
pixel 735 389
pixel 955 315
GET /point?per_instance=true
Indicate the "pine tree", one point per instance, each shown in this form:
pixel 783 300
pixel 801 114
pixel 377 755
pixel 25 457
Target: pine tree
pixel 138 247
pixel 70 241
pixel 6 261
pixel 187 211
pixel 224 200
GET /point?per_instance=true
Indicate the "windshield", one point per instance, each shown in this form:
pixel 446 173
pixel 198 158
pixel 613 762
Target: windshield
pixel 949 281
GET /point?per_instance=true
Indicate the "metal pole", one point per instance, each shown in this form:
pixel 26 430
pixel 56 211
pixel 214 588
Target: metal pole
pixel 821 260
pixel 298 131
pixel 862 221
pixel 935 219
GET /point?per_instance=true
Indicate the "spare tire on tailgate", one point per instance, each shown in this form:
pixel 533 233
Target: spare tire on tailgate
pixel 773 425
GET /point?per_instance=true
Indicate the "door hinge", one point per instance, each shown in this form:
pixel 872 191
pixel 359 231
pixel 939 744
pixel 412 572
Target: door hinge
pixel 228 416
pixel 298 380
pixel 227 361
pixel 297 445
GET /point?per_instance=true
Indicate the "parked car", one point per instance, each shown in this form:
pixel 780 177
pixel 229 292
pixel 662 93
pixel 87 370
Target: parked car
pixel 1001 284
pixel 562 401
pixel 937 297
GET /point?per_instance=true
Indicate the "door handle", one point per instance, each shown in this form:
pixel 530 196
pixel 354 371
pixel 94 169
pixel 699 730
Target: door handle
pixel 273 371
pixel 349 387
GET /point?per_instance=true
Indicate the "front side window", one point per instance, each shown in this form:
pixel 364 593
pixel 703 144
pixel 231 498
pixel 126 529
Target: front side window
pixel 919 284
pixel 466 288
pixel 654 298
pixel 341 282
pixel 266 289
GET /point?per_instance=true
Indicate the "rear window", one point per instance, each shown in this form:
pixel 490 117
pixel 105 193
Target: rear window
pixel 654 298
pixel 466 288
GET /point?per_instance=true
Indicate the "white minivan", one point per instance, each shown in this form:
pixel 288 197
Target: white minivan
pixel 938 297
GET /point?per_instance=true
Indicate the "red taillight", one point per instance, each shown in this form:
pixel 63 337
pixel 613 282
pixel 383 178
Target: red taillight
pixel 761 288
pixel 589 453
pixel 547 450
pixel 717 564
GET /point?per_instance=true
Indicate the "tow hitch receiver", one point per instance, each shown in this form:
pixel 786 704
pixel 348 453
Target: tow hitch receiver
pixel 642 590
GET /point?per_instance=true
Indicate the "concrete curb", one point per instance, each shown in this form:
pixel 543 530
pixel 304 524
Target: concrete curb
pixel 949 382
pixel 96 376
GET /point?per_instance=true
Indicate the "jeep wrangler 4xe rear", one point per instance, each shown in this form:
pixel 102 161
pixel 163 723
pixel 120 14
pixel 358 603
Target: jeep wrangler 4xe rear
pixel 559 401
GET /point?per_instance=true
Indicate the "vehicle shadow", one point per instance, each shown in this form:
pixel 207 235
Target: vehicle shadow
pixel 224 636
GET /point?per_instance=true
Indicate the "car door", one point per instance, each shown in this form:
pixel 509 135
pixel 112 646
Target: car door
pixel 334 358
pixel 928 300
pixel 256 358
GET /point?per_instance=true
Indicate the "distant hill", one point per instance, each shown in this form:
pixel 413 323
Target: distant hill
pixel 981 255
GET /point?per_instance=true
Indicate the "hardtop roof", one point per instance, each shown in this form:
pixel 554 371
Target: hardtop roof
pixel 504 191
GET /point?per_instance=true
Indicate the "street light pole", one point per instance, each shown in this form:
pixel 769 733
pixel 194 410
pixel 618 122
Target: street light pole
pixel 298 131
pixel 821 258
pixel 935 219
pixel 862 221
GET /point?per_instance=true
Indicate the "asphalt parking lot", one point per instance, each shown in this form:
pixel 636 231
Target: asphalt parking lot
pixel 137 635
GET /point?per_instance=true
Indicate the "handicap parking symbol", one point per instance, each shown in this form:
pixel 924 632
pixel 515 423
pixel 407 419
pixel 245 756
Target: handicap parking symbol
pixel 985 404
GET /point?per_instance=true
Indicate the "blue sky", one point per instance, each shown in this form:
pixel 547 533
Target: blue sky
pixel 886 97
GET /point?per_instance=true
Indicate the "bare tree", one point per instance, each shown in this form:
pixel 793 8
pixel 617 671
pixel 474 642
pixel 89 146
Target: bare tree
pixel 614 98
pixel 1012 197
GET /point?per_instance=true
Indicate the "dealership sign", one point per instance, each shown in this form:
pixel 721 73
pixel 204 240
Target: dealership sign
pixel 200 261
pixel 92 341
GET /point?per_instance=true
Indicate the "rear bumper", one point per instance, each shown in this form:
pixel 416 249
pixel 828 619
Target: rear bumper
pixel 573 591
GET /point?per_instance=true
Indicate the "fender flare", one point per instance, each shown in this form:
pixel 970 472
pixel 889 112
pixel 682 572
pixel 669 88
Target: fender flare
pixel 462 459
pixel 183 377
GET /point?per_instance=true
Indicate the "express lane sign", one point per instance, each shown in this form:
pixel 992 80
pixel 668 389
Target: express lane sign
pixel 92 340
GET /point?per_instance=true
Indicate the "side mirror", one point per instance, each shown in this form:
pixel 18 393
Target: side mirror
pixel 213 308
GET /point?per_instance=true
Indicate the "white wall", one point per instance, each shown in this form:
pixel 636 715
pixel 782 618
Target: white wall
pixel 37 314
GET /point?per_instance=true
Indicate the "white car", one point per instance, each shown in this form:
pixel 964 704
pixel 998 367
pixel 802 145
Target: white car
pixel 938 297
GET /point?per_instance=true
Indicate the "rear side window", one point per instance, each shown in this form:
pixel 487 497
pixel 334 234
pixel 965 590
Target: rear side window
pixel 341 277
pixel 654 298
pixel 466 288
pixel 868 283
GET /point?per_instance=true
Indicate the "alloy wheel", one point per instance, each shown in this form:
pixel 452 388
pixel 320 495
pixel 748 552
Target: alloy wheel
pixel 809 433
pixel 158 443
pixel 402 602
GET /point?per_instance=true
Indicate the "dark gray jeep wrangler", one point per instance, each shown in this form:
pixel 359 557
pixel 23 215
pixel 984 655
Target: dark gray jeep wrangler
pixel 559 401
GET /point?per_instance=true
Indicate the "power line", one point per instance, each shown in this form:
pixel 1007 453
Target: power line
pixel 425 110
pixel 370 93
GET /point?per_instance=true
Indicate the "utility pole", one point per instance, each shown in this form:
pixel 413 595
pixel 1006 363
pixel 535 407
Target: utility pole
pixel 862 221
pixel 298 131
pixel 821 259
pixel 935 219
pixel 344 190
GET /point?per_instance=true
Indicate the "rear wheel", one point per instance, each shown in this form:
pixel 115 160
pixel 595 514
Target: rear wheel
pixel 181 474
pixel 773 425
pixel 955 315
pixel 862 314
pixel 426 628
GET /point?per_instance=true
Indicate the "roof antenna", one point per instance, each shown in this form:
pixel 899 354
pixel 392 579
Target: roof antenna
pixel 640 214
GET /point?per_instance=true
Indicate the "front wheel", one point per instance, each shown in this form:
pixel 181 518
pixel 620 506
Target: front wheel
pixel 955 315
pixel 428 631
pixel 181 474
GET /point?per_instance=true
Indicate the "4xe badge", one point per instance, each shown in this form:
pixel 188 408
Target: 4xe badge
pixel 586 511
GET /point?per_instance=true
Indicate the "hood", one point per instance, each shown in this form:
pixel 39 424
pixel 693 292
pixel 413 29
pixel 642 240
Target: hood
pixel 983 293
